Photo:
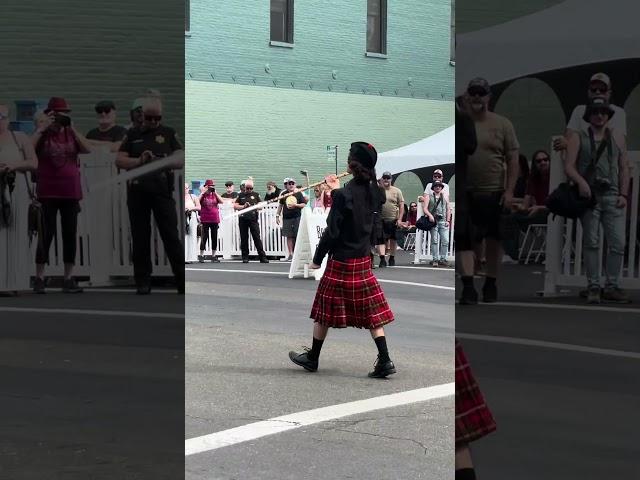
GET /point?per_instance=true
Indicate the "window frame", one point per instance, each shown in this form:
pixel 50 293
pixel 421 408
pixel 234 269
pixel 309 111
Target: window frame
pixel 382 25
pixel 187 17
pixel 289 26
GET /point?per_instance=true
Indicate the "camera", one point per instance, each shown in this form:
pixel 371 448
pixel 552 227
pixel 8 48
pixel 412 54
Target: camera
pixel 62 120
pixel 439 217
pixel 601 184
pixel 212 189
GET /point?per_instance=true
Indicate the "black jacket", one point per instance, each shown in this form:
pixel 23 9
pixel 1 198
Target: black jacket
pixel 350 222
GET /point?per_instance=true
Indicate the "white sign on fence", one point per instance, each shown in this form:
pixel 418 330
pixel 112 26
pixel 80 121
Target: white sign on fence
pixel 312 224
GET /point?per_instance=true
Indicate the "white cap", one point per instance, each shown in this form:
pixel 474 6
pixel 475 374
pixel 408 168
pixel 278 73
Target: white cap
pixel 601 77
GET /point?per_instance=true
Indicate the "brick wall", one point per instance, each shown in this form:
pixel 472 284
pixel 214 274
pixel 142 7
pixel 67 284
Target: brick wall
pixel 88 51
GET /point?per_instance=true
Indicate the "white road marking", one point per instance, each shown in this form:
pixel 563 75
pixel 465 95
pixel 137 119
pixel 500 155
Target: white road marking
pixel 104 313
pixel 256 430
pixel 558 306
pixel 271 272
pixel 554 345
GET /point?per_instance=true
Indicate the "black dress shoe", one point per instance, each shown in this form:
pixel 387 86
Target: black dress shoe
pixel 143 289
pixel 38 285
pixel 264 260
pixel 303 360
pixel 245 260
pixel 71 286
pixel 382 369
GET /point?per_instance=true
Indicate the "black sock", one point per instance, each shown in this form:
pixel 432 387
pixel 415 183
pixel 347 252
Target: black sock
pixel 466 474
pixel 391 256
pixel 381 343
pixel 314 353
pixel 467 281
pixel 381 257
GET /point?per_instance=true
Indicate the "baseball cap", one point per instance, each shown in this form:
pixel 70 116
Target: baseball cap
pixel 137 103
pixel 387 174
pixel 437 183
pixel 437 170
pixel 106 104
pixel 479 83
pixel 595 105
pixel 601 77
pixel 209 182
pixel 288 179
pixel 228 184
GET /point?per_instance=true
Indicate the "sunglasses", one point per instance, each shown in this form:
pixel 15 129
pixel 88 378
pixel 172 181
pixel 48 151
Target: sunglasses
pixel 153 118
pixel 248 188
pixel 437 175
pixel 102 110
pixel 384 177
pixel 290 183
pixel 598 89
pixel 477 92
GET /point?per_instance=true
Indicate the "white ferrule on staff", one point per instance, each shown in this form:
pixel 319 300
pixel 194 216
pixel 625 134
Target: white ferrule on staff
pixel 263 204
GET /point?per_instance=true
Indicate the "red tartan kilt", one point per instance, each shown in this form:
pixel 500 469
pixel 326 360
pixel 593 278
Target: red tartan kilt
pixel 350 296
pixel 473 418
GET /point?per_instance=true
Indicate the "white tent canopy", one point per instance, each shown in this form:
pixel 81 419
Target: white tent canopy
pixel 572 33
pixel 438 149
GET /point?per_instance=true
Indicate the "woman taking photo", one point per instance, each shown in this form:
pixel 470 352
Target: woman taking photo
pixel 349 295
pixel 58 145
pixel 17 157
pixel 191 208
pixel 209 218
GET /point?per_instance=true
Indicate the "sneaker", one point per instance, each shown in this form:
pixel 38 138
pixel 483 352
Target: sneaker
pixel 392 261
pixel 303 360
pixel 215 260
pixel 585 293
pixel 245 260
pixel 469 296
pixel 615 295
pixel 38 285
pixel 593 296
pixel 444 263
pixel 71 286
pixel 264 260
pixel 383 263
pixel 201 258
pixel 382 369
pixel 434 263
pixel 489 293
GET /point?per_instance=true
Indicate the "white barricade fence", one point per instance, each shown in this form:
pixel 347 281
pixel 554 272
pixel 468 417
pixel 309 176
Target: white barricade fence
pixel 423 239
pixel 104 231
pixel 273 242
pixel 564 257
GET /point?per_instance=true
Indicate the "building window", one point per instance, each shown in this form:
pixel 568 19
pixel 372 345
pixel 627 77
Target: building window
pixel 282 21
pixel 187 16
pixel 453 32
pixel 377 26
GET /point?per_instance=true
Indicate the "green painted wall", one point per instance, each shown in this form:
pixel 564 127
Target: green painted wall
pixel 89 51
pixel 271 133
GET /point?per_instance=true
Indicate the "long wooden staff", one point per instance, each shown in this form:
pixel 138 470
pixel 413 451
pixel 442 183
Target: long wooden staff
pixel 288 194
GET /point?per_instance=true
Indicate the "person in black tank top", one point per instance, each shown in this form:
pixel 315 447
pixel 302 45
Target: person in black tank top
pixel 348 294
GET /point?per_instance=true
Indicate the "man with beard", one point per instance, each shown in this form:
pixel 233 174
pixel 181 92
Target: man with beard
pixel 492 172
pixel 152 192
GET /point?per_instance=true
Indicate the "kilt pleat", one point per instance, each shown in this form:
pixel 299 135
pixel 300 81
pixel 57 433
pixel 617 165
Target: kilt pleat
pixel 473 417
pixel 349 295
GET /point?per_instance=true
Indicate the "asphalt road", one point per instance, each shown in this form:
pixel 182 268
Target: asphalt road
pixel 239 329
pixel 92 386
pixel 567 408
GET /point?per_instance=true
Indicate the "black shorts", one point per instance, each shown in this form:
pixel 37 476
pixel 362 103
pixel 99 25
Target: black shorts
pixel 478 218
pixel 389 228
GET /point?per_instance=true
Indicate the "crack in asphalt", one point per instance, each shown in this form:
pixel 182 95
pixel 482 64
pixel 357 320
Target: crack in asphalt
pixel 421 445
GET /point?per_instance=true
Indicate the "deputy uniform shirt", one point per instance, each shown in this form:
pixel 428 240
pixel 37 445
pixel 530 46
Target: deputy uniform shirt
pixel 252 198
pixel 292 212
pixel 114 134
pixel 161 141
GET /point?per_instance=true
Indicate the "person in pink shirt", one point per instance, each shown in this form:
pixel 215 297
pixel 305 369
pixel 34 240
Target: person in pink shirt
pixel 209 218
pixel 58 145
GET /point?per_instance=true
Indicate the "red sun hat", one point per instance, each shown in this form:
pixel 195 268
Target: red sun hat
pixel 57 104
pixel 209 183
